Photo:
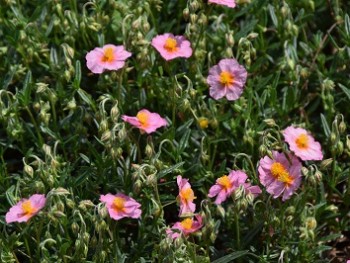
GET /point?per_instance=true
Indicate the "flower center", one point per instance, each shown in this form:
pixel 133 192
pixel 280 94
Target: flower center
pixel 187 195
pixel 279 172
pixel 302 141
pixel 224 181
pixel 108 55
pixel 187 223
pixel 143 118
pixel 118 204
pixel 170 44
pixel 226 78
pixel 27 208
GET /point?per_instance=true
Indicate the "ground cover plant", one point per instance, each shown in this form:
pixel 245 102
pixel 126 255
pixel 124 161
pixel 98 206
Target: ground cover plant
pixel 174 131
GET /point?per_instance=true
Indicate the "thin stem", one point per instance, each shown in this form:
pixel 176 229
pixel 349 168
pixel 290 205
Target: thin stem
pixel 36 127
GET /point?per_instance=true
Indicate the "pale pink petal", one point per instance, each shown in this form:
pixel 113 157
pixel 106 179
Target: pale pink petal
pixel 228 3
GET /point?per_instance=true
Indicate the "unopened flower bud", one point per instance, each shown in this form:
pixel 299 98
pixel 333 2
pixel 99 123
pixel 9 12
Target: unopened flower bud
pixel 342 127
pixel 149 151
pixel 311 223
pixel 75 228
pixel 333 138
pixel 193 18
pixel 186 13
pixel 270 122
pixel 29 170
pixel 304 171
pixel 318 176
pixel 326 163
pixel 340 147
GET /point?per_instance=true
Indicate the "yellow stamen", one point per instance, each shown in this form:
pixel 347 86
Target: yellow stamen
pixel 226 78
pixel 302 141
pixel 224 181
pixel 187 223
pixel 27 208
pixel 143 118
pixel 170 44
pixel 279 172
pixel 118 204
pixel 108 55
pixel 187 194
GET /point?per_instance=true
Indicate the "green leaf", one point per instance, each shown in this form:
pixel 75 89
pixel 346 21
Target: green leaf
pixel 273 15
pixel 326 129
pixel 228 258
pixel 345 90
pixel 347 24
pixel 169 170
pixel 87 98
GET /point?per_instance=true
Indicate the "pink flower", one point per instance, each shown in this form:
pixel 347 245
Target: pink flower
pixel 279 176
pixel 25 209
pixel 229 3
pixel 227 79
pixel 170 46
pixel 185 197
pixel 109 57
pixel 302 144
pixel 120 206
pixel 185 227
pixel 226 185
pixel 146 121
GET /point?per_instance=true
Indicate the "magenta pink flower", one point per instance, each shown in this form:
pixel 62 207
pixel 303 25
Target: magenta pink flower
pixel 227 79
pixel 170 46
pixel 146 121
pixel 185 227
pixel 229 3
pixel 226 185
pixel 26 208
pixel 109 57
pixel 120 206
pixel 279 176
pixel 185 197
pixel 302 144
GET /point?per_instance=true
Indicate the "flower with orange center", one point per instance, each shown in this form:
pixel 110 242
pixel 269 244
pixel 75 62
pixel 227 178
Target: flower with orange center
pixel 279 172
pixel 171 45
pixel 227 184
pixel 185 197
pixel 143 117
pixel 26 208
pixel 302 144
pixel 146 121
pixel 108 55
pixel 121 205
pixel 280 175
pixel 226 78
pixel 302 141
pixel 186 227
pixel 118 204
pixel 187 223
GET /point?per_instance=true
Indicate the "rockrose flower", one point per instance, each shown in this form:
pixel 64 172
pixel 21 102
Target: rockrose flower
pixel 109 57
pixel 227 79
pixel 279 176
pixel 25 209
pixel 186 226
pixel 229 3
pixel 146 121
pixel 120 206
pixel 170 46
pixel 185 197
pixel 302 144
pixel 226 185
